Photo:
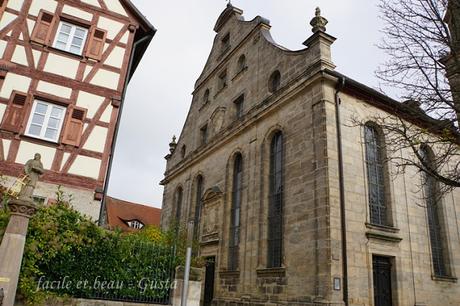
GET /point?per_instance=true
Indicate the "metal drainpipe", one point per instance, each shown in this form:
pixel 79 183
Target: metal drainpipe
pixel 339 87
pixel 102 217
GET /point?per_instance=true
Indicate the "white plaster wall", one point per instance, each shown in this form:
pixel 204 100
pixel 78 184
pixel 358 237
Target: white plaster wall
pixel 47 5
pixel 116 57
pixel 77 12
pixel 83 199
pixel 14 82
pixel 64 159
pixel 2 111
pixel 27 150
pixel 19 56
pixel 124 38
pixel 62 66
pixel 106 78
pixel 6 147
pixel 6 19
pixel 15 4
pixel 115 6
pixel 96 140
pixel 91 2
pixel 90 102
pixel 2 47
pixel 36 54
pixel 107 114
pixel 112 26
pixel 53 89
pixel 30 25
pixel 86 166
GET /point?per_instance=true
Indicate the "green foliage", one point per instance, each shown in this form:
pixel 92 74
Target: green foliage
pixel 84 260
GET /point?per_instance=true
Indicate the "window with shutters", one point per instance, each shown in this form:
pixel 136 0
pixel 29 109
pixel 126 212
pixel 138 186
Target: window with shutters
pixel 15 113
pixel 74 126
pixel 42 30
pixel 275 202
pixel 70 38
pixel 237 186
pixel 376 177
pixel 45 121
pixel 438 239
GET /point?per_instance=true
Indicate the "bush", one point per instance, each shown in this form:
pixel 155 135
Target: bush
pixel 68 249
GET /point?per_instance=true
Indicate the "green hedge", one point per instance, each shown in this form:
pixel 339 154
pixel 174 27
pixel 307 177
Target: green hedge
pixel 66 254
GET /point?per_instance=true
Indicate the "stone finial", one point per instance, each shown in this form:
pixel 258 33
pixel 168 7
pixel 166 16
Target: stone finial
pixel 318 23
pixel 172 145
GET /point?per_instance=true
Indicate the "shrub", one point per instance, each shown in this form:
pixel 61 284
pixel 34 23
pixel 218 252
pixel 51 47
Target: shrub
pixel 65 247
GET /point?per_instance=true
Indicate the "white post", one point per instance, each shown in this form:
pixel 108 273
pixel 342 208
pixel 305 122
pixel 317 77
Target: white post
pixel 188 260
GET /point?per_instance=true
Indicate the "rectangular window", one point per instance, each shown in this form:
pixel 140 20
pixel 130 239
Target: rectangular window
pixel 226 43
pixel 222 80
pixel 204 134
pixel 45 121
pixel 239 106
pixel 70 38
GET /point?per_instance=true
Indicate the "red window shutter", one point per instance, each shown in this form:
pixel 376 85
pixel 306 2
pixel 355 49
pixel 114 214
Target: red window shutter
pixel 43 27
pixel 74 126
pixel 15 113
pixel 96 43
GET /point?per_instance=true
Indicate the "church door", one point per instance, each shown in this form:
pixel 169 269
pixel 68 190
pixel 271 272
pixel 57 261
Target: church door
pixel 382 281
pixel 209 280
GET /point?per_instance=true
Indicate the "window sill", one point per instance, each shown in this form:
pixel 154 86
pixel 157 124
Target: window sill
pixel 449 279
pixel 383 228
pixel 271 272
pixel 220 90
pixel 59 51
pixel 40 140
pixel 229 274
pixel 240 73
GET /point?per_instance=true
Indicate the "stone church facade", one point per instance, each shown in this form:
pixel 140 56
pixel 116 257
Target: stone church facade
pixel 292 203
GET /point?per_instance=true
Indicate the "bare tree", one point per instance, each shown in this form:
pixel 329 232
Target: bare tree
pixel 422 40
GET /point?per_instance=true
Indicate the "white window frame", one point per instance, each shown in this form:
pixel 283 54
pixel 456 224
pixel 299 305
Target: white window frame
pixel 46 121
pixel 73 29
pixel 135 224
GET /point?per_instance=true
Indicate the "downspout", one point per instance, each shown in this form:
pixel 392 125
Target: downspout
pixel 102 216
pixel 338 89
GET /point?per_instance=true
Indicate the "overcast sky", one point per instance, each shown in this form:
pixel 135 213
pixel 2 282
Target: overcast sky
pixel 159 94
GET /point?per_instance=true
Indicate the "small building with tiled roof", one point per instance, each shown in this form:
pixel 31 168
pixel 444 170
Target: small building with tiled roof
pixel 129 216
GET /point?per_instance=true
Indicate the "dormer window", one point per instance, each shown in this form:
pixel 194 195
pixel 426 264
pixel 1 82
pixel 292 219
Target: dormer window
pixel 135 224
pixel 70 38
pixel 222 80
pixel 226 43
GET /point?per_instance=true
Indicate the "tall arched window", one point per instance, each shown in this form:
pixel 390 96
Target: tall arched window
pixel 438 239
pixel 275 205
pixel 237 187
pixel 274 81
pixel 376 177
pixel 178 203
pixel 198 203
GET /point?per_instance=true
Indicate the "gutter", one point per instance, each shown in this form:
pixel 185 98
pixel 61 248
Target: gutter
pixel 144 40
pixel 339 87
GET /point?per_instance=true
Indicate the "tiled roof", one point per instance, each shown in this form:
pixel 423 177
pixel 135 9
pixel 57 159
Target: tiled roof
pixel 120 212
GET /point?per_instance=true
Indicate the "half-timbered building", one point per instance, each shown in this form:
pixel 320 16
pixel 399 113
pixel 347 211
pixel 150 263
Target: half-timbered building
pixel 293 200
pixel 64 68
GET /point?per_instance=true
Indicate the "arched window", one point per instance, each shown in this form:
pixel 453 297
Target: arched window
pixel 376 177
pixel 438 239
pixel 242 63
pixel 206 96
pixel 237 186
pixel 183 151
pixel 178 203
pixel 274 81
pixel 275 205
pixel 198 203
